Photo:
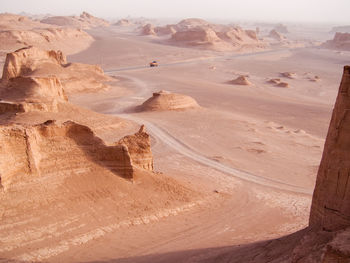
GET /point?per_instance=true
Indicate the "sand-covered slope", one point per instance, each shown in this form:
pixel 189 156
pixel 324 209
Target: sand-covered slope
pixel 341 41
pixel 84 21
pixel 164 100
pixel 20 31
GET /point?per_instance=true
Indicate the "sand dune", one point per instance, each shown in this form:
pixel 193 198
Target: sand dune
pixel 164 100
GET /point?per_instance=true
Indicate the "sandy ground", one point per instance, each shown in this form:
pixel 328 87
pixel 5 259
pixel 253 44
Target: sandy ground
pixel 273 136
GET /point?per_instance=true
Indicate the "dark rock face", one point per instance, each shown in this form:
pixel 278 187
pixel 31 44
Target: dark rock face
pixel 331 200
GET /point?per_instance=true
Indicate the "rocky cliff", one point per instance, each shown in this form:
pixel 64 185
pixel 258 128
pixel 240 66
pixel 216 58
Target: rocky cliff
pixel 331 200
pixel 68 148
pixel 26 60
pixel 139 147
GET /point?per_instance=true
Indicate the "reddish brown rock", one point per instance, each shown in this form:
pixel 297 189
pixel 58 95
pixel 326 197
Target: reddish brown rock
pixel 139 147
pixel 331 200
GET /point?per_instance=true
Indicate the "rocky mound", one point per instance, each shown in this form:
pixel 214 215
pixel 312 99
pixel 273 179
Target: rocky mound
pixel 85 21
pixel 148 30
pixel 200 33
pixel 241 80
pixel 24 94
pixel 21 31
pixel 26 60
pixel 278 83
pixel 12 21
pixel 276 35
pixel 163 100
pixel 341 29
pixel 281 28
pixel 341 41
pixel 290 75
pixel 75 77
pixel 123 22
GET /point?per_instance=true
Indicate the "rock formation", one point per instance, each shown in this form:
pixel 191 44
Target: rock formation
pixel 33 94
pixel 241 80
pixel 341 41
pixel 281 28
pixel 331 200
pixel 85 21
pixel 164 100
pixel 148 30
pixel 139 148
pixel 26 60
pixel 33 62
pixel 39 150
pixel 122 22
pixel 290 75
pixel 341 29
pixel 276 35
pixel 200 33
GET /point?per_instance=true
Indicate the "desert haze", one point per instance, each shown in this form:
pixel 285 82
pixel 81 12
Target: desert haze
pixel 191 139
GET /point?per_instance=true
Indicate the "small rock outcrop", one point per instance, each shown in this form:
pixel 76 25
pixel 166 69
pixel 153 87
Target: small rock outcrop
pixel 241 80
pixel 164 100
pixel 290 75
pixel 148 30
pixel 139 148
pixel 26 60
pixel 276 35
pixel 331 200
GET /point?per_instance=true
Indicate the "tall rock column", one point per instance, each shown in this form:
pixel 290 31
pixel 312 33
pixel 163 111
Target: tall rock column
pixel 330 208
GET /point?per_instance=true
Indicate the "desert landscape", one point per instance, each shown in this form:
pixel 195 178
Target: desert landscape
pixel 136 139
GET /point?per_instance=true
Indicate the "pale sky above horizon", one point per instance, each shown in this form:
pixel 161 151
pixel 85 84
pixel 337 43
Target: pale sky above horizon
pixel 319 11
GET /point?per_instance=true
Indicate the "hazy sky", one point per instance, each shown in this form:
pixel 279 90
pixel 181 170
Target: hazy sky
pixel 326 11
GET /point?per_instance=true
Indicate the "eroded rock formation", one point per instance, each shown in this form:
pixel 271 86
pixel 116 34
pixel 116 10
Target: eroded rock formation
pixel 68 148
pixel 164 100
pixel 139 148
pixel 331 200
pixel 26 60
pixel 341 41
pixel 241 80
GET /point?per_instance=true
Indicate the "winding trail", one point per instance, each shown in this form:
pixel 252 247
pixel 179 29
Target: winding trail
pixel 187 151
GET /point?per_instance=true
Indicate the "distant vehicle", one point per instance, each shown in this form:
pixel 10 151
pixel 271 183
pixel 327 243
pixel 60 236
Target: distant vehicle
pixel 153 64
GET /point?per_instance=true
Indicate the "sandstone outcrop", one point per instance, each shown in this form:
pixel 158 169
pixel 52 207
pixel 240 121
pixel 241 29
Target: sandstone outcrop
pixel 26 60
pixel 139 148
pixel 290 75
pixel 74 77
pixel 33 94
pixel 148 30
pixel 341 41
pixel 164 100
pixel 68 148
pixel 200 33
pixel 331 200
pixel 276 35
pixel 70 40
pixel 123 22
pixel 241 80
